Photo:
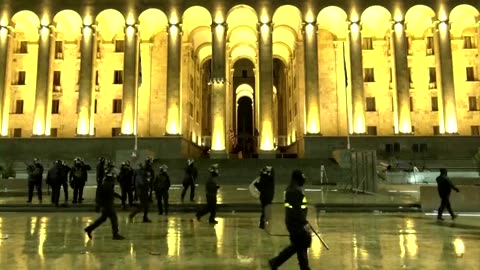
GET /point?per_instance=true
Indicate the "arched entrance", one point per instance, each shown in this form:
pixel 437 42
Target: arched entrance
pixel 243 109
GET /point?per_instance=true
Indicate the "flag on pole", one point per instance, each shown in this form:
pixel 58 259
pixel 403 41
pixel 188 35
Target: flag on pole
pixel 345 65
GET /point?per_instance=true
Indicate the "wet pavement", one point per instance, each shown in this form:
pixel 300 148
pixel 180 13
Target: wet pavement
pixel 357 241
pixel 239 194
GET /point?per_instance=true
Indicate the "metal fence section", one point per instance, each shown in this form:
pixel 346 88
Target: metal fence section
pixel 364 171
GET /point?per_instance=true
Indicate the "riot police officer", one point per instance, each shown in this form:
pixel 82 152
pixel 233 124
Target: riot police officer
pixel 297 224
pixel 125 179
pixel 142 188
pixel 266 186
pixel 54 180
pixel 191 174
pixel 35 176
pixel 211 189
pixel 104 199
pixel 100 170
pixel 78 178
pixel 161 186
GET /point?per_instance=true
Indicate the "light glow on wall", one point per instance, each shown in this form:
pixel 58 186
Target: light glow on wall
pixel 173 120
pixel 405 125
pixel 266 143
pixel 359 119
pixel 218 134
pixel 313 126
pixel 127 123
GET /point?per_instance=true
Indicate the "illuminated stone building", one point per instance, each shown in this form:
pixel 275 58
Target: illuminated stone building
pixel 207 70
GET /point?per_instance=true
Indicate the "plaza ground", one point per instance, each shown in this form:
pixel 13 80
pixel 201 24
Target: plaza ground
pixel 357 241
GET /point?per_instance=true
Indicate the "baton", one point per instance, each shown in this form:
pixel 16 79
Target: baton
pixel 319 237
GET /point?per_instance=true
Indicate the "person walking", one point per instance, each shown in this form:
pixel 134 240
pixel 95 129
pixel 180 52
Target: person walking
pixel 142 188
pixel 211 189
pixel 266 186
pixel 445 186
pixel 297 224
pixel 104 199
pixel 191 174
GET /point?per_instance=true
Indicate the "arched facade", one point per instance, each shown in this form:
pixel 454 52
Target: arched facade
pixel 169 69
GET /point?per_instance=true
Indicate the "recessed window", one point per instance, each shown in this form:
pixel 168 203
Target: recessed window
pixel 58 49
pixel 430 46
pixel 367 43
pixel 17 132
pixel 55 106
pixel 472 103
pixel 432 75
pixel 475 130
pixel 436 130
pixel 371 106
pixel 119 45
pixel 372 130
pixel 53 132
pixel 19 106
pixel 20 78
pixel 96 77
pixel 369 75
pixel 434 101
pixel 57 78
pixel 95 106
pixel 116 131
pixel 410 77
pixel 469 42
pixel 411 104
pixel 117 106
pixel 470 74
pixel 190 109
pixel 118 77
pixel 22 46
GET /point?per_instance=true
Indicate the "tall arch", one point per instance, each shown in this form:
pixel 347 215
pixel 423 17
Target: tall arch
pixel 110 22
pixel 151 22
pixel 68 23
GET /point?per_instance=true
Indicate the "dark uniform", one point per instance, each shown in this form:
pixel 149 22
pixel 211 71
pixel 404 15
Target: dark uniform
pixel 445 186
pixel 161 186
pixel 191 174
pixel 100 170
pixel 65 171
pixel 150 173
pixel 54 180
pixel 78 178
pixel 297 224
pixel 266 186
pixel 105 198
pixel 35 175
pixel 142 188
pixel 211 189
pixel 125 179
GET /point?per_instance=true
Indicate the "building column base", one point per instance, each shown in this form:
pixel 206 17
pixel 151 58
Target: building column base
pixel 267 154
pixel 222 154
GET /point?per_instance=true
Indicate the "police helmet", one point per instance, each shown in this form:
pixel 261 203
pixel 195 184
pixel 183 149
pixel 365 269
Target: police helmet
pixel 213 168
pixel 266 170
pixel 163 168
pixel 190 162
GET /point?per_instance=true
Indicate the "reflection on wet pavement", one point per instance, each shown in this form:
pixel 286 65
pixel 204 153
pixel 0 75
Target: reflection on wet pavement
pixel 357 241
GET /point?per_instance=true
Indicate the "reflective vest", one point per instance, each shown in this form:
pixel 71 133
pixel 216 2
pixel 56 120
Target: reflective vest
pixel 288 205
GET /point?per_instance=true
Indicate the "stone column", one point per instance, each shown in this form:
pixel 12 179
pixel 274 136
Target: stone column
pixel 266 86
pixel 445 82
pixel 218 84
pixel 130 72
pixel 356 71
pixel 44 83
pixel 312 94
pixel 401 79
pixel 173 79
pixel 5 46
pixel 86 82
